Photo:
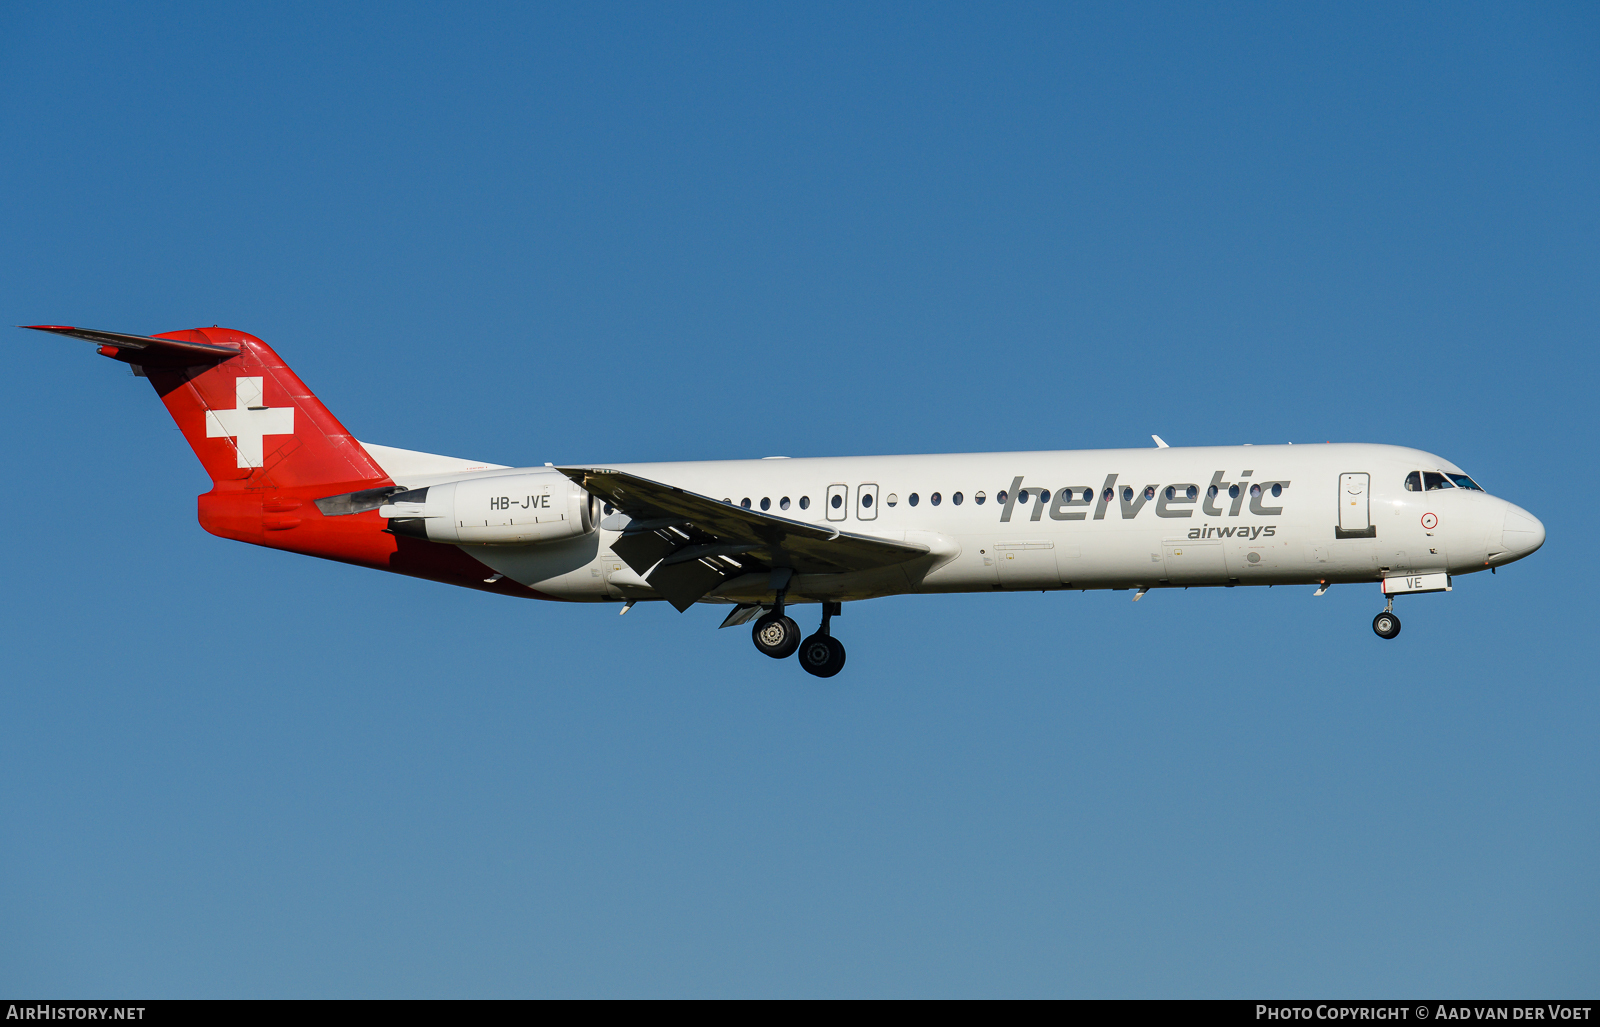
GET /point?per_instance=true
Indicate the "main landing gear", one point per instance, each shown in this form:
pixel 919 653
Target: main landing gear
pixel 778 636
pixel 1386 624
pixel 823 655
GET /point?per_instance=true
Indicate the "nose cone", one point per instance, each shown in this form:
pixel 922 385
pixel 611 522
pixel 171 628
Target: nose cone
pixel 1522 533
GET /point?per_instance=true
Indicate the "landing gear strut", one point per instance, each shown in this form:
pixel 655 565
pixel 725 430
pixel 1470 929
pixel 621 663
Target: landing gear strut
pixel 822 655
pixel 1386 624
pixel 776 634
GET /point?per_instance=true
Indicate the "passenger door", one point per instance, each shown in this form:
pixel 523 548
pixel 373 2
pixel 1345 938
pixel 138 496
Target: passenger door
pixel 1355 507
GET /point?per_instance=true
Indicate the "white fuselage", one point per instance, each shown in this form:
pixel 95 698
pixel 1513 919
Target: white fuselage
pixel 1323 523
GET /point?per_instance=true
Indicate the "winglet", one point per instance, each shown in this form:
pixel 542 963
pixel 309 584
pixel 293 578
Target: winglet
pixel 1159 443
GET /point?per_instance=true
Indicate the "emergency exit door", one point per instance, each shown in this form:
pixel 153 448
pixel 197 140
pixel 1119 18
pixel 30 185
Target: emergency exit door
pixel 838 502
pixel 1355 507
pixel 867 502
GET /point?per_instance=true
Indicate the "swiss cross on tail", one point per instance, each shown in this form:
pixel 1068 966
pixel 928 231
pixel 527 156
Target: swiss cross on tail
pixel 249 422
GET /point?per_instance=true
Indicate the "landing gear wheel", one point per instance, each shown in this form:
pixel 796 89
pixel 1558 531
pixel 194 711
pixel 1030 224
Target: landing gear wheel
pixel 1386 624
pixel 777 636
pixel 822 655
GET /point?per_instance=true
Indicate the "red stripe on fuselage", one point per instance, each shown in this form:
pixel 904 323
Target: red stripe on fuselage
pixel 288 519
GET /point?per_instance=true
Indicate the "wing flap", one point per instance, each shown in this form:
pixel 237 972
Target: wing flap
pixel 673 527
pixel 642 550
pixel 683 584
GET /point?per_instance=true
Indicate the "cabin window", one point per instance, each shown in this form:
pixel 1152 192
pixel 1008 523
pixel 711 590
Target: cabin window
pixel 1233 492
pixel 1022 496
pixel 1432 480
pixel 866 499
pixel 745 502
pixel 913 499
pixel 783 504
pixel 1109 494
pixel 1149 492
pixel 1000 497
pixel 1212 492
pixel 935 499
pixel 1464 482
pixel 956 498
pixel 1277 490
pixel 836 502
pixel 1255 492
pixel 979 497
pixel 1414 481
pixel 893 500
pixel 805 502
pixel 608 510
pixel 766 502
pixel 1127 494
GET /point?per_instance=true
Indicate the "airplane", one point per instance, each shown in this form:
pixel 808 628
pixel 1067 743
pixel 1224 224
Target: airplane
pixel 768 534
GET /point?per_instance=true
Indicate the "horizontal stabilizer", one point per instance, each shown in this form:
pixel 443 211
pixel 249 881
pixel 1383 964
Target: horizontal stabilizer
pixel 162 349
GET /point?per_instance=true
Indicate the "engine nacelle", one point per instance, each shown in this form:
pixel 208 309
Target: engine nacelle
pixel 504 510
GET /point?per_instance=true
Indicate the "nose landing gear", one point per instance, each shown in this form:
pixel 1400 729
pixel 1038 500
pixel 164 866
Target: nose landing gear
pixel 822 655
pixel 1386 624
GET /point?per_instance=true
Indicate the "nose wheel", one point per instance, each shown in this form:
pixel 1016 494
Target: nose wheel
pixel 1386 624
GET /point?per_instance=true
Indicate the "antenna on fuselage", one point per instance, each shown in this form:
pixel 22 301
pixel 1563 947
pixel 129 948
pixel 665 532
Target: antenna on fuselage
pixel 1159 443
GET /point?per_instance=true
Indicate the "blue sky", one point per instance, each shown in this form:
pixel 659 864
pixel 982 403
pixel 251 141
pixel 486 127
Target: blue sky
pixel 613 233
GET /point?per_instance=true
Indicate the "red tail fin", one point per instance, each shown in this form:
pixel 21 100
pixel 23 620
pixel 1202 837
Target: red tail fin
pixel 252 421
pixel 272 450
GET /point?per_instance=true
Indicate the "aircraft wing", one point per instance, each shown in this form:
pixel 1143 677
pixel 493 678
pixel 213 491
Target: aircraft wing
pixel 685 544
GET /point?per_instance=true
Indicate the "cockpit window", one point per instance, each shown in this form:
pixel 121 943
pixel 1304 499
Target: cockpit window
pixel 1464 482
pixel 1432 480
pixel 1414 481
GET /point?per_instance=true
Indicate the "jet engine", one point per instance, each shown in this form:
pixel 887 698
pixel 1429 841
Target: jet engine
pixel 504 510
